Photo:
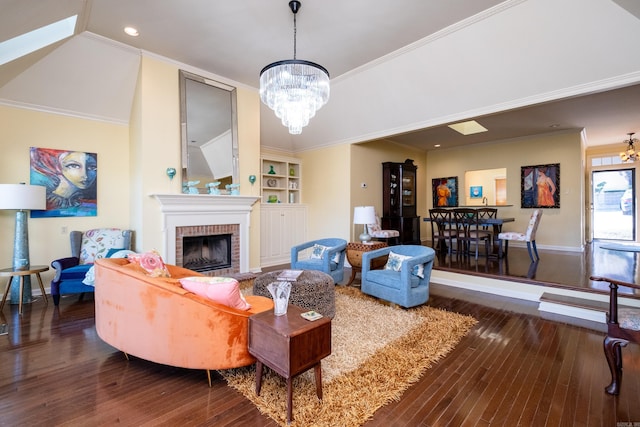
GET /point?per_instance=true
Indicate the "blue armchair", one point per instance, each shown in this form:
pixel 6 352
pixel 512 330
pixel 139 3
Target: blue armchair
pixel 406 280
pixel 85 248
pixel 326 255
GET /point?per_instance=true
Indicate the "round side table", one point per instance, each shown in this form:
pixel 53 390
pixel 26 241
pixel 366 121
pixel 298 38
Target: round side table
pixel 354 256
pixel 10 272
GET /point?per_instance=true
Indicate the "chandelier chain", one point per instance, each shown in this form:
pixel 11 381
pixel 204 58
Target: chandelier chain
pixel 295 33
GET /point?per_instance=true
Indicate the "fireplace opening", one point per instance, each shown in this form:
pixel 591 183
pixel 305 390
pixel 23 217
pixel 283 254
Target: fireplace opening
pixel 206 253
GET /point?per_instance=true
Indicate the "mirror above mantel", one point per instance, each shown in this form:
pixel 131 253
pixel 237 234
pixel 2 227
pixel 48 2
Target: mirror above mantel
pixel 209 133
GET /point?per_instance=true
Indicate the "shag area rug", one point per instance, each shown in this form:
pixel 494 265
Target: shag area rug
pixel 378 351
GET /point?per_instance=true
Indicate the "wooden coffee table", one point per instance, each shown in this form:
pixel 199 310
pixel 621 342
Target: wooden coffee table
pixel 354 256
pixel 289 345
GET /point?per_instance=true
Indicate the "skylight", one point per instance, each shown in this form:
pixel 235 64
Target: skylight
pixel 29 42
pixel 468 128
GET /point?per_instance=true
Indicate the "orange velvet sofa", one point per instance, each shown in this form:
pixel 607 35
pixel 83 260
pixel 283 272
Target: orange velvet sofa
pixel 157 320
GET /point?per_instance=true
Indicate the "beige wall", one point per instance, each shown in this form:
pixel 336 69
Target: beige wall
pixel 326 191
pixel 366 166
pixel 22 129
pixel 562 228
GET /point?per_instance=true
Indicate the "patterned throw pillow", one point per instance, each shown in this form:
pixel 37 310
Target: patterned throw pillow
pixel 317 251
pixel 96 243
pixel 223 290
pixel 151 262
pixel 394 262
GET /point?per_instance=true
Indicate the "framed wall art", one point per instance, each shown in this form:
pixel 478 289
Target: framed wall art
pixel 445 191
pixel 540 186
pixel 70 179
pixel 475 191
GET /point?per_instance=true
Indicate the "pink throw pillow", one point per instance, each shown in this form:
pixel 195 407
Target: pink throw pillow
pixel 151 262
pixel 223 290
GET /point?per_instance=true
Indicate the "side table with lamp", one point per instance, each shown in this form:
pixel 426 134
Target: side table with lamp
pixel 363 215
pixel 22 198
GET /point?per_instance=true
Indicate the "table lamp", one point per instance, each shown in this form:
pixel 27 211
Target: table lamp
pixel 21 197
pixel 364 215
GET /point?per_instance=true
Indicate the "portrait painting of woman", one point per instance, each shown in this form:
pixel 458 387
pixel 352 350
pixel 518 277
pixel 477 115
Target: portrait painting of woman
pixel 70 178
pixel 445 191
pixel 540 186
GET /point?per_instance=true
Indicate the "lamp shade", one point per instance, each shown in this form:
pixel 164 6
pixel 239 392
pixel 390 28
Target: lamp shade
pixel 364 215
pixel 22 197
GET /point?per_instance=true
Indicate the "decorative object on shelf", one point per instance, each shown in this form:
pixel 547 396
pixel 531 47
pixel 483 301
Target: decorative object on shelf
pixel 213 187
pixel 292 172
pixel 171 172
pixel 233 189
pixel 271 170
pixel 272 182
pixel 364 215
pixel 630 154
pixel 272 199
pixel 294 89
pixel 252 179
pixel 292 197
pixel 191 187
pixel 540 186
pixel 21 197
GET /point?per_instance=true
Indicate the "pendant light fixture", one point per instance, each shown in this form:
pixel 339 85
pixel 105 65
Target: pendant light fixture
pixel 630 154
pixel 294 89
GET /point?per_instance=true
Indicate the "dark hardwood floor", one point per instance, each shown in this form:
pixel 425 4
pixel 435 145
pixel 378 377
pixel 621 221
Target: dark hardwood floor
pixel 514 368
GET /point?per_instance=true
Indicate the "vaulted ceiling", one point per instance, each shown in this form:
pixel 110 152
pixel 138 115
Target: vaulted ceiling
pixel 94 73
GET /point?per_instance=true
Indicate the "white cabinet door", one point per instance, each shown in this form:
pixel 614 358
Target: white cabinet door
pixel 282 226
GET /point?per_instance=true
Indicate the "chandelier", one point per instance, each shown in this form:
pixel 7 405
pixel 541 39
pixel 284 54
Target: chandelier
pixel 630 154
pixel 294 89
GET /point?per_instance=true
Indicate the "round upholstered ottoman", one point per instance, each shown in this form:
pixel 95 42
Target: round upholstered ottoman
pixel 313 290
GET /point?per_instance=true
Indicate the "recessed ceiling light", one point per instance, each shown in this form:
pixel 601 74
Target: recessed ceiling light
pixel 553 126
pixel 437 145
pixel 468 128
pixel 131 31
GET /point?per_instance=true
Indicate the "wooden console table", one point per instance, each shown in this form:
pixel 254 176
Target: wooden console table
pixel 290 345
pixel 354 256
pixel 10 273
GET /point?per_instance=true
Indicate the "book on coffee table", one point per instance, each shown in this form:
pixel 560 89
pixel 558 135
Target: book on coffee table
pixel 289 275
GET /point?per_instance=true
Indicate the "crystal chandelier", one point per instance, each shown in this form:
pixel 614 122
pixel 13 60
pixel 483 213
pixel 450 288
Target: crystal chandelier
pixel 630 154
pixel 294 89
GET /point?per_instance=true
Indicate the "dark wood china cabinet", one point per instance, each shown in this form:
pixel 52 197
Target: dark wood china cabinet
pixel 399 201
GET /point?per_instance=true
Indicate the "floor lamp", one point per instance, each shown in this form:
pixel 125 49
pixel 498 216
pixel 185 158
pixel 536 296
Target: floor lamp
pixel 364 215
pixel 22 198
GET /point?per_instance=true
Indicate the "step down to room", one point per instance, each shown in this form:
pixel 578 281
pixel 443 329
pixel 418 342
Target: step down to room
pixel 581 308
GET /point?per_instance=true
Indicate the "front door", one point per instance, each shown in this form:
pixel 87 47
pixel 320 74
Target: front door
pixel 613 202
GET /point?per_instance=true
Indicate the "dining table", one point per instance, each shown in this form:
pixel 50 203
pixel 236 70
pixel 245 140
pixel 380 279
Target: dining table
pixel 496 224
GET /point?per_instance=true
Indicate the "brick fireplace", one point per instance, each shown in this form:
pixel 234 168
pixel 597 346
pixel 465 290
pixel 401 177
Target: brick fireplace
pixel 206 215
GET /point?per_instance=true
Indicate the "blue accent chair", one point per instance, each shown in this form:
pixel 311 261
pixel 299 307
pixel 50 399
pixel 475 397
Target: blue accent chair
pixel 331 262
pixel 400 287
pixel 71 271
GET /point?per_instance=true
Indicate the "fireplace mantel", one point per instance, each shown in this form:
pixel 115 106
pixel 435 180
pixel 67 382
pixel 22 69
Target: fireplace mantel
pixel 183 210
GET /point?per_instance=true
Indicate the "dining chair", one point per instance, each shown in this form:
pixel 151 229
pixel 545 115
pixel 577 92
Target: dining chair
pixel 443 228
pixel 488 213
pixel 469 230
pixel 623 325
pixel 528 236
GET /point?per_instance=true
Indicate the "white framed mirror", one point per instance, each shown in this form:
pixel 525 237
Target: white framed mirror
pixel 209 133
